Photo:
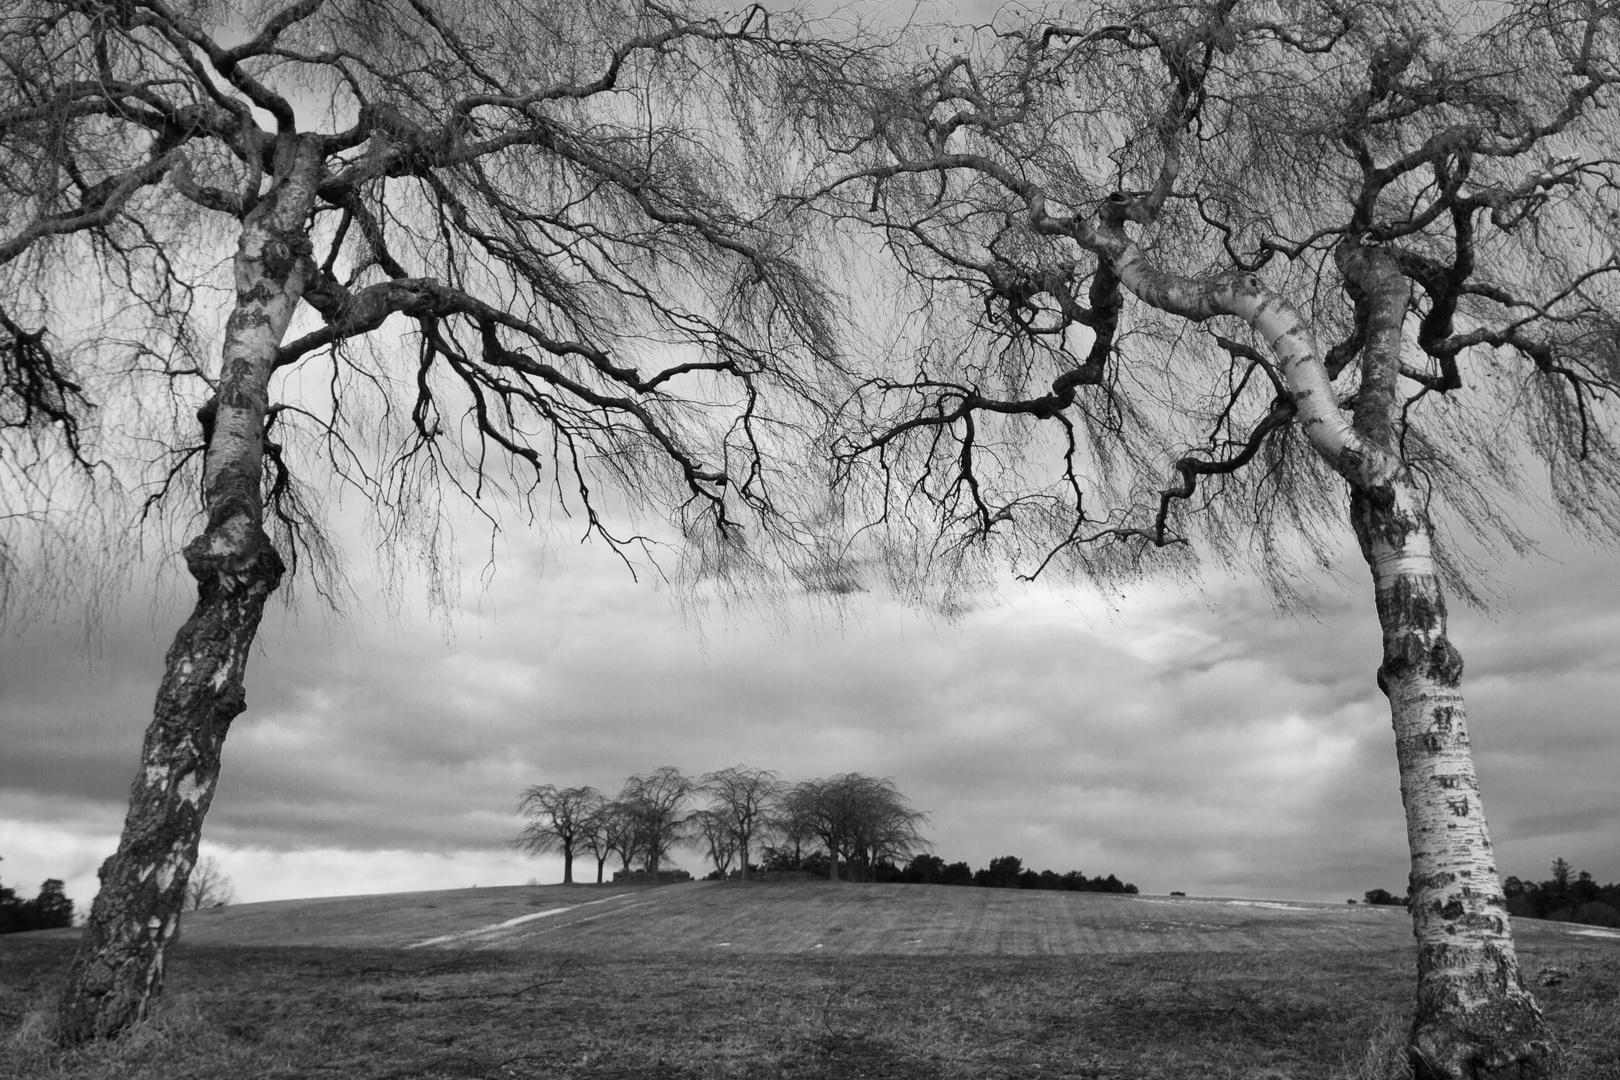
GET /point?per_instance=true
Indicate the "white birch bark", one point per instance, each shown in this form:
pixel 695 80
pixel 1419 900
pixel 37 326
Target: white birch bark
pixel 1474 1016
pixel 136 913
pixel 1475 1019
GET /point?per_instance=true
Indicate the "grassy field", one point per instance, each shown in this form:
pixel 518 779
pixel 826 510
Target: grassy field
pixel 793 981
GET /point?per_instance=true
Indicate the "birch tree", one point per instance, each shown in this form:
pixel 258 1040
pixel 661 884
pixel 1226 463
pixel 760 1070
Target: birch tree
pixel 502 251
pixel 1217 279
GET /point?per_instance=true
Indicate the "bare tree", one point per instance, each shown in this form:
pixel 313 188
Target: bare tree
pixel 1315 263
pixel 860 819
pixel 596 833
pixel 790 822
pixel 615 834
pixel 806 815
pixel 208 886
pixel 502 250
pixel 656 805
pixel 718 831
pixel 747 796
pixel 561 821
pixel 884 826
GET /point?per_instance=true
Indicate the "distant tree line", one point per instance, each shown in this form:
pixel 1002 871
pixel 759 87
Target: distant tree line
pixel 851 826
pixel 50 909
pixel 1004 872
pixel 857 825
pixel 1564 897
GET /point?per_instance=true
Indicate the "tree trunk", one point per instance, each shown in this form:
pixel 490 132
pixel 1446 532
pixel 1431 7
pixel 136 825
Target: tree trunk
pixel 568 863
pixel 118 968
pixel 1475 1019
pixel 601 861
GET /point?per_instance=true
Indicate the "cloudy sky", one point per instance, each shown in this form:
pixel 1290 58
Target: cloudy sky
pixel 1188 738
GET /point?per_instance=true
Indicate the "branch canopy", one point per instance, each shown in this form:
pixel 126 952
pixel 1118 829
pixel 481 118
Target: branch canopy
pixel 1138 259
pixel 541 265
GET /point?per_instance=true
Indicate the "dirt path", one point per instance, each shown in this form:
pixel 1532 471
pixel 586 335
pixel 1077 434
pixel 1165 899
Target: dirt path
pixel 494 930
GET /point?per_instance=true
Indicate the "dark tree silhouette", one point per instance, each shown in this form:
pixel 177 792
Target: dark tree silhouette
pixel 862 820
pixel 208 886
pixel 52 909
pixel 560 822
pixel 747 798
pixel 609 830
pixel 49 910
pixel 717 831
pixel 656 805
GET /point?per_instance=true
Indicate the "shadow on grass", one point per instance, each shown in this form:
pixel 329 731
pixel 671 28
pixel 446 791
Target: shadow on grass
pixel 395 1015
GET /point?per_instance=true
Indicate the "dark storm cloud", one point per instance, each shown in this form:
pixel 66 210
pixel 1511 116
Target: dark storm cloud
pixel 1537 826
pixel 1198 741
pixel 72 718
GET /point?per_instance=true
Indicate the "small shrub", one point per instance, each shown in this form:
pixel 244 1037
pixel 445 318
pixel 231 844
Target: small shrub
pixel 1597 913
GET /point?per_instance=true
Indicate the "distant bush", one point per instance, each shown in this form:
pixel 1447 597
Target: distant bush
pixel 817 864
pixel 49 910
pixel 1178 892
pixel 924 869
pixel 665 877
pixel 1564 897
pixel 1383 898
pixel 1596 913
pixel 1008 872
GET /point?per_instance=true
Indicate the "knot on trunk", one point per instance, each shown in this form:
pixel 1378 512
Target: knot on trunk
pixel 235 557
pixel 1413 654
pixel 282 252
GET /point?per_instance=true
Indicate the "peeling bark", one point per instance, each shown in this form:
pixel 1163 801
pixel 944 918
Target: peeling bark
pixel 1299 356
pixel 136 914
pixel 119 965
pixel 1475 1019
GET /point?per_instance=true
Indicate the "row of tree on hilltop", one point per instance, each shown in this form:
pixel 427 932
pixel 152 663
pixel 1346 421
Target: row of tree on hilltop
pixel 850 824
pixel 856 823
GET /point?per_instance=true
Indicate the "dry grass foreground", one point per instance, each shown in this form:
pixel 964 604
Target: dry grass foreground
pixel 794 981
